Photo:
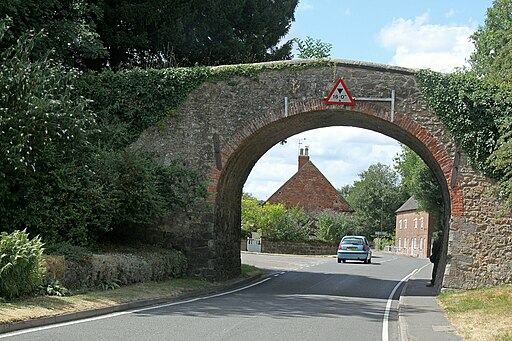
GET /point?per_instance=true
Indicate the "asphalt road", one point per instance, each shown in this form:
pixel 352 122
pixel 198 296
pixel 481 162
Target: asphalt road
pixel 304 298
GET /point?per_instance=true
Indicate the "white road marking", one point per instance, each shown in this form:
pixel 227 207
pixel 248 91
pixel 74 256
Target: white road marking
pixel 58 325
pixel 385 320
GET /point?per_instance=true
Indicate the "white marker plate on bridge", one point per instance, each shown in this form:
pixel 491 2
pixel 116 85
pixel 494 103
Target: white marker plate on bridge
pixel 340 95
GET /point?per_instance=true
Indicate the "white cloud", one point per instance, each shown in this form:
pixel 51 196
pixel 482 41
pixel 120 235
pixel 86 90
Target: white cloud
pixel 451 13
pixel 341 154
pixel 418 44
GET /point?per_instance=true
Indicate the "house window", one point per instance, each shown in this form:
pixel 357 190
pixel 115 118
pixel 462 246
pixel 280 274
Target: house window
pixel 405 243
pixel 421 223
pixel 399 243
pixel 415 223
pixel 405 223
pixel 421 243
pixel 400 224
pixel 414 243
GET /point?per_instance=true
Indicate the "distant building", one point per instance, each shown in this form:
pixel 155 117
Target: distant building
pixel 310 190
pixel 413 230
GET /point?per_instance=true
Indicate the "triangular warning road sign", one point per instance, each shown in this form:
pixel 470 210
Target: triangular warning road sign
pixel 340 95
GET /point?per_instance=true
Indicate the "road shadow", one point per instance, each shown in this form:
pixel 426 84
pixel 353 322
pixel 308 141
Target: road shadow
pixel 295 294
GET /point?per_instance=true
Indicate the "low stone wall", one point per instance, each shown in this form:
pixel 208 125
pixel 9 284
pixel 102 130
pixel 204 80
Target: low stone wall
pixel 104 269
pixel 313 248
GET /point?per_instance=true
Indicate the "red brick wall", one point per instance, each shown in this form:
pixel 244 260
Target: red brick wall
pixel 309 189
pixel 411 231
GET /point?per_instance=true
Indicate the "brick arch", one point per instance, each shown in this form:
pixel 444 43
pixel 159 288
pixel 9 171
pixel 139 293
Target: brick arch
pixel 433 151
pixel 243 149
pixel 223 127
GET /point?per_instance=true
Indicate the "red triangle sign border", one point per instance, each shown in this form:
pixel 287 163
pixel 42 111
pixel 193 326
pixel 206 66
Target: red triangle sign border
pixel 348 101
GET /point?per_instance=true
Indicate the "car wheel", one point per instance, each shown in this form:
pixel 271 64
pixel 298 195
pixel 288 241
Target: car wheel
pixel 365 261
pixel 370 261
pixel 339 260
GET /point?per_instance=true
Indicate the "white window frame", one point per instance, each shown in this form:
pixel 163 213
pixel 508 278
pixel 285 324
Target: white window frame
pixel 422 226
pixel 400 223
pixel 415 223
pixel 405 224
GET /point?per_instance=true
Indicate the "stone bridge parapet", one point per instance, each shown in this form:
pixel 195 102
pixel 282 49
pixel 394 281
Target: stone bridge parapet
pixel 224 127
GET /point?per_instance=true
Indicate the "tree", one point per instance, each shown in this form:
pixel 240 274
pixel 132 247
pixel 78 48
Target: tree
pixel 275 222
pixel 154 33
pixel 375 197
pixel 417 180
pixel 69 26
pixel 45 136
pixel 492 59
pixel 313 48
pixel 56 179
pixel 493 47
pixel 332 226
pixel 186 33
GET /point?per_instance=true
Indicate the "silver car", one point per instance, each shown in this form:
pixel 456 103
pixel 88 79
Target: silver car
pixel 354 248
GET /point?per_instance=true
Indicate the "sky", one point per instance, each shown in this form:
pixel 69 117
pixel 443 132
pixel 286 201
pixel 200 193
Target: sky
pixel 416 34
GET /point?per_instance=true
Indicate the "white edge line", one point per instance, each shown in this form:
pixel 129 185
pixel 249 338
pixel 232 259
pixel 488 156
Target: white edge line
pixel 385 320
pixel 63 324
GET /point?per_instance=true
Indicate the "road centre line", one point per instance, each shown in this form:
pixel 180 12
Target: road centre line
pixel 96 318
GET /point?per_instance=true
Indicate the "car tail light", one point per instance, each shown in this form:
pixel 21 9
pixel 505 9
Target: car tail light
pixel 364 247
pixel 339 247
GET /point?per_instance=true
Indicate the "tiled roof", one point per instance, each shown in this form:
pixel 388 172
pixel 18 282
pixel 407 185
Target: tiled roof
pixel 410 205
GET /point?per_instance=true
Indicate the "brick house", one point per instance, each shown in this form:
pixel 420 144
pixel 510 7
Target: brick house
pixel 310 190
pixel 413 230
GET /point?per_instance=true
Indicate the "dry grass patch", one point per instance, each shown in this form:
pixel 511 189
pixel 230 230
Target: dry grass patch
pixel 45 306
pixel 481 314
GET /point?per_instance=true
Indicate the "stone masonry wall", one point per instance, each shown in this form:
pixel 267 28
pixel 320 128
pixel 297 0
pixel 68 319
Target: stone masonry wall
pixel 223 128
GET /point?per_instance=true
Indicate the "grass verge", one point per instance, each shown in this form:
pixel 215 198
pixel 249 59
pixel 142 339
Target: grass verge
pixel 45 306
pixel 480 314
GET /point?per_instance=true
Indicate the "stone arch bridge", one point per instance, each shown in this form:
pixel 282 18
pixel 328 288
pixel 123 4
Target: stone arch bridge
pixel 224 127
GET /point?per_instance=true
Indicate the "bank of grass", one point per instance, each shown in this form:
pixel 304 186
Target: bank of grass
pixel 46 306
pixel 249 270
pixel 480 314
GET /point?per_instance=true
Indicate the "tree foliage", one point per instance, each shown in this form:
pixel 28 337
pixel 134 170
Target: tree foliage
pixel 69 27
pixel 477 111
pixel 274 221
pixel 375 197
pixel 471 108
pixel 332 226
pixel 67 176
pixel 492 60
pixel 109 33
pixel 492 57
pixel 194 32
pixel 417 180
pixel 313 48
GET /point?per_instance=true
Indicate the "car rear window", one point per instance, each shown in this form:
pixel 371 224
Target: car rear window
pixel 356 241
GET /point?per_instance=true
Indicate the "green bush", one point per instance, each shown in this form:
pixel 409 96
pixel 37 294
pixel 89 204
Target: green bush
pixel 275 222
pixel 331 226
pixel 21 264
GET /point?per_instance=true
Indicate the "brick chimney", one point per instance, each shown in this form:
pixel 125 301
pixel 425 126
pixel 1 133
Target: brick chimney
pixel 304 156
